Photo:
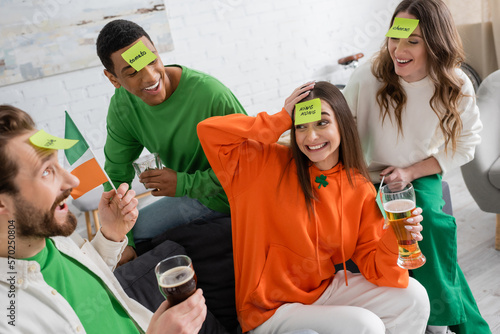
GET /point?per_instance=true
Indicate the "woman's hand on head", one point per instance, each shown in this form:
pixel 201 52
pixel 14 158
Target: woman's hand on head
pixel 297 95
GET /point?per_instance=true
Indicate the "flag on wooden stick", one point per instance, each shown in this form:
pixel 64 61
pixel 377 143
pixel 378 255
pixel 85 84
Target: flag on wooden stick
pixel 82 161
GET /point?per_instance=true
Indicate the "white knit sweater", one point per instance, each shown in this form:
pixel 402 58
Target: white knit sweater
pixel 421 137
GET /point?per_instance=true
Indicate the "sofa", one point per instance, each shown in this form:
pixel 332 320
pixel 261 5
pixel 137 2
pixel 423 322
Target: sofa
pixel 209 245
pixel 482 175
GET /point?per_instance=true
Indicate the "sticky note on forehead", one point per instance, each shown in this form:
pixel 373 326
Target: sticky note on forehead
pixel 138 56
pixel 44 140
pixel 308 111
pixel 402 27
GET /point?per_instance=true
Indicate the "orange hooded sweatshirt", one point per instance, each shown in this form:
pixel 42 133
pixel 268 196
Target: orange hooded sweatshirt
pixel 281 253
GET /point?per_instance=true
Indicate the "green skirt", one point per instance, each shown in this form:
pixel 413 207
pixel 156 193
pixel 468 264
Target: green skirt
pixel 452 302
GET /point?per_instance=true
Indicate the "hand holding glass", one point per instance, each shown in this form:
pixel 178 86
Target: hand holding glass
pixel 399 202
pixel 176 278
pixel 147 162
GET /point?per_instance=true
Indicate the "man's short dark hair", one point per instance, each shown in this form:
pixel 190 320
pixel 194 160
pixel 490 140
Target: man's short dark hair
pixel 13 122
pixel 114 36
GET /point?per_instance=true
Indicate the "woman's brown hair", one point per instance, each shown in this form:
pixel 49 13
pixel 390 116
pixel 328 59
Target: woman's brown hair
pixel 444 54
pixel 350 153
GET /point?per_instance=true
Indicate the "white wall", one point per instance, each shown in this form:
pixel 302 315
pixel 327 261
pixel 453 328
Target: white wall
pixel 261 50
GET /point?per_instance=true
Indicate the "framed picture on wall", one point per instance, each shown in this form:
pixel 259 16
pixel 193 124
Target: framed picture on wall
pixel 40 38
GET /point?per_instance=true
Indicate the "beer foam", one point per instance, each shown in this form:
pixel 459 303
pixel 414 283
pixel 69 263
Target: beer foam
pixel 399 206
pixel 176 276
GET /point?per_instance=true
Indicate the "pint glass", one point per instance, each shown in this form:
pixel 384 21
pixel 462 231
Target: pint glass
pixel 176 278
pixel 399 201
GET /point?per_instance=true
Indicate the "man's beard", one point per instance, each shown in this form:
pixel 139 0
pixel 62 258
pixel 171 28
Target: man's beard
pixel 35 223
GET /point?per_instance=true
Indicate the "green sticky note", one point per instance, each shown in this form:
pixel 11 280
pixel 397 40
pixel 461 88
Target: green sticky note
pixel 379 203
pixel 402 27
pixel 308 111
pixel 44 140
pixel 138 56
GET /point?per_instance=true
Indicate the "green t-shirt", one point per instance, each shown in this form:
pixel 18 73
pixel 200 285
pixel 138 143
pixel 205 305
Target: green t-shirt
pixel 169 129
pixel 95 306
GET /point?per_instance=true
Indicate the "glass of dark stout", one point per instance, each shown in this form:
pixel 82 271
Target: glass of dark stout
pixel 176 278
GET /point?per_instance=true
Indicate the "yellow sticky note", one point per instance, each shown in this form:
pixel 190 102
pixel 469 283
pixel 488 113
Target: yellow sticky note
pixel 402 27
pixel 44 140
pixel 138 56
pixel 308 111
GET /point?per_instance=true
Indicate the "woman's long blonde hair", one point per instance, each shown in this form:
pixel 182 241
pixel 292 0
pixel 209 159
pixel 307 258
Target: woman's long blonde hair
pixel 444 54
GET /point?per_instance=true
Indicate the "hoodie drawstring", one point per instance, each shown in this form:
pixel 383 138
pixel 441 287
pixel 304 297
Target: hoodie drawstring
pixel 339 176
pixel 317 238
pixel 342 227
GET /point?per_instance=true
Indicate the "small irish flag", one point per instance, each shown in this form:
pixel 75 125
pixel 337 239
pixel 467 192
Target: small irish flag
pixel 82 161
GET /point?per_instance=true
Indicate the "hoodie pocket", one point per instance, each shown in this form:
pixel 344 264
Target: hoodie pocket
pixel 288 277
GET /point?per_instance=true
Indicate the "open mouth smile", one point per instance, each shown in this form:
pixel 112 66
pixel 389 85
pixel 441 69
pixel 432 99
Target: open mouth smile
pixel 316 147
pixel 62 205
pixel 403 61
pixel 153 87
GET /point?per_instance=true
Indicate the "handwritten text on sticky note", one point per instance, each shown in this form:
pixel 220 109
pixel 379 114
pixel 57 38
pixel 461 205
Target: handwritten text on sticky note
pixel 138 56
pixel 402 28
pixel 308 111
pixel 44 140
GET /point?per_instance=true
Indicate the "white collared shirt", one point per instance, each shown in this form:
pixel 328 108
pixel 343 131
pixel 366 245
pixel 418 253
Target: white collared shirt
pixel 30 304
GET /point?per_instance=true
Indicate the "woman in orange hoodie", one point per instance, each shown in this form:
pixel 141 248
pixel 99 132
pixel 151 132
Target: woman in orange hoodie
pixel 297 211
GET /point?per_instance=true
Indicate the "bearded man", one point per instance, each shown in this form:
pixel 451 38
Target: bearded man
pixel 52 280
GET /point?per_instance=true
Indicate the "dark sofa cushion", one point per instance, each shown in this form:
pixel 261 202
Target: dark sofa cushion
pixel 138 278
pixel 209 245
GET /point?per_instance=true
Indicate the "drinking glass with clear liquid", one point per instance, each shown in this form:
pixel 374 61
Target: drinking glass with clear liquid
pixel 147 162
pixel 398 199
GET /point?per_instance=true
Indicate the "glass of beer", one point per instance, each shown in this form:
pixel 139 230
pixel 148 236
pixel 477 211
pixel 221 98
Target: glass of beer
pixel 176 278
pixel 398 199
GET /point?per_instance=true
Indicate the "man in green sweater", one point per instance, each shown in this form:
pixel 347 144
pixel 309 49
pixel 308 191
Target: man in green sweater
pixel 158 108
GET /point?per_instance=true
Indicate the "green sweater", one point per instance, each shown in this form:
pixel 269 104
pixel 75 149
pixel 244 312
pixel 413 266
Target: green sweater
pixel 170 130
